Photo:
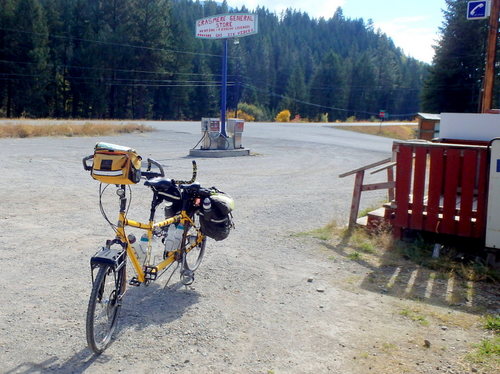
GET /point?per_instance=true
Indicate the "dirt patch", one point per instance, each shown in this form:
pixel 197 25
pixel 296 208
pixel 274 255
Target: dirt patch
pixel 434 318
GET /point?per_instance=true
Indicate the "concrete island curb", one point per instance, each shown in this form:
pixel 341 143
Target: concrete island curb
pixel 215 153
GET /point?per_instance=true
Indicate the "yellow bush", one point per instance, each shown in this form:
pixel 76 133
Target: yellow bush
pixel 241 115
pixel 283 116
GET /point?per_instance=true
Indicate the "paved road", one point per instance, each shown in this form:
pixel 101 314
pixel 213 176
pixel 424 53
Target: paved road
pixel 274 133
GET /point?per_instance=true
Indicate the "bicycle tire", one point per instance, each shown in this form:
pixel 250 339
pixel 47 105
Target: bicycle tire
pixel 192 259
pixel 104 304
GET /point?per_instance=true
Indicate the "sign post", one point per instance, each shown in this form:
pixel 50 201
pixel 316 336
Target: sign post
pixel 223 95
pixel 226 26
pixel 482 10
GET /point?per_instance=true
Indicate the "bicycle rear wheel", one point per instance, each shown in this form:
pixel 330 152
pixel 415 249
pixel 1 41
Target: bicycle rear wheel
pixel 104 304
pixel 192 259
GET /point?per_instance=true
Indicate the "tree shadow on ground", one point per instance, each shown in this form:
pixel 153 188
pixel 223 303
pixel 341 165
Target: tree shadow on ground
pixel 394 275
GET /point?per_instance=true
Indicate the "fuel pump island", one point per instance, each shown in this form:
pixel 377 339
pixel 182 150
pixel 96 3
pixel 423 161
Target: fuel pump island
pixel 222 137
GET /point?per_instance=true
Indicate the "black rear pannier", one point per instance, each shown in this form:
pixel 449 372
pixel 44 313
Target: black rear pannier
pixel 216 222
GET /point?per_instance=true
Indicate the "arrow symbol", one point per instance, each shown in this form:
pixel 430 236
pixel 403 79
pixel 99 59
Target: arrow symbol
pixel 477 7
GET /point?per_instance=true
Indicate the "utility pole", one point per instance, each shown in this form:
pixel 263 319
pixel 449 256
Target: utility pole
pixel 489 74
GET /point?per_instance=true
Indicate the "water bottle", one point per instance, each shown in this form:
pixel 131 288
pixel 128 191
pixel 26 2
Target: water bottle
pixel 143 245
pixel 178 235
pixel 170 241
pixel 156 248
pixel 207 208
pixel 136 245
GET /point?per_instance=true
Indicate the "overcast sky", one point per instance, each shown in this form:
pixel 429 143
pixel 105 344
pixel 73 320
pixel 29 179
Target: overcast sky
pixel 412 24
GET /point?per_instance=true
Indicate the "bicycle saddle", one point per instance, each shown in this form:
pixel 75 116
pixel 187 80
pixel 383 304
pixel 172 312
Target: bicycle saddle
pixel 160 183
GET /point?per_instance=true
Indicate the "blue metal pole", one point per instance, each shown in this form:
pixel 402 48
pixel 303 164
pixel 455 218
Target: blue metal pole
pixel 223 101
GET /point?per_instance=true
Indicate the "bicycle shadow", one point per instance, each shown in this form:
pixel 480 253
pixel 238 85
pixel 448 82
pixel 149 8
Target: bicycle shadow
pixel 77 364
pixel 154 305
pixel 395 276
pixel 142 307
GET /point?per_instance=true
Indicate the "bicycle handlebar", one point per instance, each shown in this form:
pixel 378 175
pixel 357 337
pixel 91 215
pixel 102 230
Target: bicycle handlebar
pixel 85 165
pixel 193 178
pixel 157 164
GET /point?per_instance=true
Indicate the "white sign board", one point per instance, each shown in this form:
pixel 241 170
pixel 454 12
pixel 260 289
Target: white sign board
pixel 234 25
pixel 493 217
pixel 469 126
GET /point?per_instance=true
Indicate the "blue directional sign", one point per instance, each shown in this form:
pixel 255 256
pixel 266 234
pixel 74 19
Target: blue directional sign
pixel 478 9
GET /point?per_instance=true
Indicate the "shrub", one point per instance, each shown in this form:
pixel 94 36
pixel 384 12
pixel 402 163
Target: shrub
pixel 241 115
pixel 252 110
pixel 283 116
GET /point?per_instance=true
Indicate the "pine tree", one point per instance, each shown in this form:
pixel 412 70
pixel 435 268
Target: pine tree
pixel 28 49
pixel 296 93
pixel 362 97
pixel 7 65
pixel 329 87
pixel 454 80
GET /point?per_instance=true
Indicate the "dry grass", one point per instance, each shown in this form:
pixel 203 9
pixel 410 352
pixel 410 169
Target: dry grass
pixel 401 132
pixel 20 129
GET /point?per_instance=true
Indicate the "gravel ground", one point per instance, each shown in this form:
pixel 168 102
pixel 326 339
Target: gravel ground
pixel 264 300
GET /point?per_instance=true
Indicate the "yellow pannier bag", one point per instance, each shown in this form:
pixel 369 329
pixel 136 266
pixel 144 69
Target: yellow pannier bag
pixel 116 164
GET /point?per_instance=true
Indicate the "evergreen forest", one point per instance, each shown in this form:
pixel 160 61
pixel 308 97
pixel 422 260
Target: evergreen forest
pixel 139 59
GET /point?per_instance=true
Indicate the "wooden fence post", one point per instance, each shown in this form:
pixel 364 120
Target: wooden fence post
pixel 356 197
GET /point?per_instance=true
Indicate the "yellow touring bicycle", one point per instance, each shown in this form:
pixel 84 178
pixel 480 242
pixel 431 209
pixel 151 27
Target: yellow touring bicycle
pixel 189 219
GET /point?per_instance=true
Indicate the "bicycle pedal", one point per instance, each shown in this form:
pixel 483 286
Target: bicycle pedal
pixel 150 273
pixel 134 282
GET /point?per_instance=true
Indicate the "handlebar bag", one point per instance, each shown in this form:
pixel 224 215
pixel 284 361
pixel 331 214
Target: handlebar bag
pixel 116 164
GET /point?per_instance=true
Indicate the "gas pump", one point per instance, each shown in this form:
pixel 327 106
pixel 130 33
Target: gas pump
pixel 213 139
pixel 210 130
pixel 234 131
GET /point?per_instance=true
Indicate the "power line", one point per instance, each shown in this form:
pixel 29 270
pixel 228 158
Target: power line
pixel 132 82
pixel 112 69
pixel 108 43
pixel 324 106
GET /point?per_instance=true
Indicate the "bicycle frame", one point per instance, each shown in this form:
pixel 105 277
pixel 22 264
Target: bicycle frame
pixel 150 272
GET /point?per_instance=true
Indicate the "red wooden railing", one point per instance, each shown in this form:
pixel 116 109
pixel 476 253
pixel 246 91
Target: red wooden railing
pixel 359 185
pixel 441 188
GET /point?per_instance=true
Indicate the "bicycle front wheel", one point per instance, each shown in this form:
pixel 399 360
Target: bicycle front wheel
pixel 192 259
pixel 104 304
